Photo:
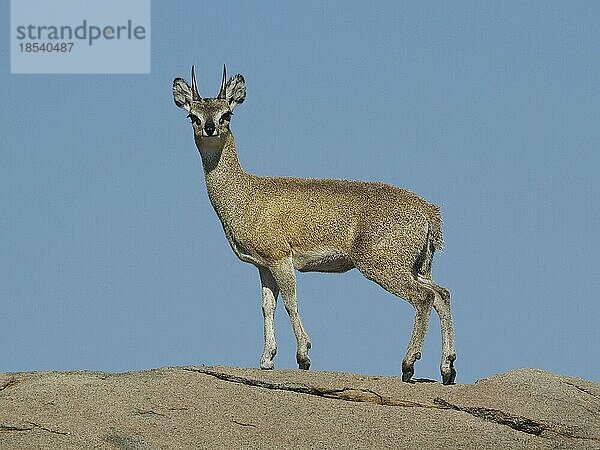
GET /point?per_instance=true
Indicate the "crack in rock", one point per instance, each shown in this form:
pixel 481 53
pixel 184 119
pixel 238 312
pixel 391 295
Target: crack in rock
pixel 347 394
pixel 7 428
pixel 9 383
pixel 581 389
pixel 148 412
pixel 243 424
pixel 33 426
pixel 492 415
pixel 518 423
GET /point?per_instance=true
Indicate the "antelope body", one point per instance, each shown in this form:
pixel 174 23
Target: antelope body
pixel 281 225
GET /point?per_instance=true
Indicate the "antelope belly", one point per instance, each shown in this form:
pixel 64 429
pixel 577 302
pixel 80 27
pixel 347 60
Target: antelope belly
pixel 322 260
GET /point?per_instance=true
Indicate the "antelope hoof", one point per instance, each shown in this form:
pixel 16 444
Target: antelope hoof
pixel 302 356
pixel 408 370
pixel 448 378
pixel 267 365
pixel 303 362
pixel 266 361
pixel 449 373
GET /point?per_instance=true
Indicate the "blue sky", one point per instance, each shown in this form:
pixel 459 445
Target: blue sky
pixel 113 259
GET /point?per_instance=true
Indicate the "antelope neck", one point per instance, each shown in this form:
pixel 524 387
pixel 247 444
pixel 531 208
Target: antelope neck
pixel 224 176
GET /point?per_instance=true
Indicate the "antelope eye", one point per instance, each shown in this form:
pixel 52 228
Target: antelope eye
pixel 226 117
pixel 195 119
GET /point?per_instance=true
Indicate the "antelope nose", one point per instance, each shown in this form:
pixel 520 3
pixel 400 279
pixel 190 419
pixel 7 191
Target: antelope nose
pixel 209 128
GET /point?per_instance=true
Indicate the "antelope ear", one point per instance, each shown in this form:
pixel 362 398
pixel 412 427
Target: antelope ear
pixel 182 94
pixel 235 91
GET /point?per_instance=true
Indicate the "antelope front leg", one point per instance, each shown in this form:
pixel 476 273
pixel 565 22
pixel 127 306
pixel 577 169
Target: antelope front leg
pixel 285 277
pixel 270 290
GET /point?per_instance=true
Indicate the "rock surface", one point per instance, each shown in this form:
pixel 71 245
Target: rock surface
pixel 223 407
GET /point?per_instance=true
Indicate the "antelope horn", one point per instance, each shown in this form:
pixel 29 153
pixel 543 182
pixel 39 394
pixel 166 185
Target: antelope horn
pixel 222 93
pixel 195 94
